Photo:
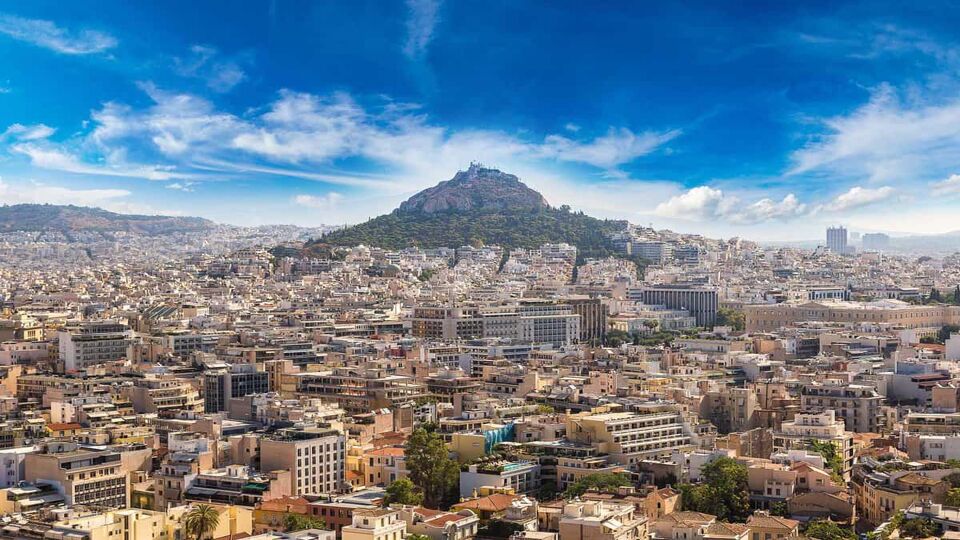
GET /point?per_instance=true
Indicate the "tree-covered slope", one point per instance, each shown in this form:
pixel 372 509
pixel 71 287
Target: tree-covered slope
pixel 508 227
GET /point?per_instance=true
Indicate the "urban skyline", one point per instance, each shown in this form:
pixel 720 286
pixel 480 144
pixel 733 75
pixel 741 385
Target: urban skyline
pixel 454 270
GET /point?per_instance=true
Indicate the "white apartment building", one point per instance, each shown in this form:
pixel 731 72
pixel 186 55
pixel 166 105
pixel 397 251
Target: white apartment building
pixel 12 464
pixel 93 342
pixel 522 476
pixel 807 427
pixel 375 524
pixel 315 458
pixel 630 437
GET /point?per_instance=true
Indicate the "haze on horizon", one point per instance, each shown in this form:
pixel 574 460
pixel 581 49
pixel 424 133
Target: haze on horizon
pixel 768 122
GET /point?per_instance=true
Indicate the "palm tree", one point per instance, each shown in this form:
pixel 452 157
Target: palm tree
pixel 199 521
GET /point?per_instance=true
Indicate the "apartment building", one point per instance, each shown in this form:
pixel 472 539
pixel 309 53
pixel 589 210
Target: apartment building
pixel 858 405
pixel 222 385
pixel 93 477
pixel 357 389
pixel 798 433
pixel 163 395
pixel 530 321
pixel 523 477
pixel 12 468
pixel 631 437
pixel 128 524
pixel 446 323
pixel 375 524
pixel 237 485
pixel 315 457
pixel 184 343
pixel 598 520
pixel 93 342
pixel 654 251
pixel 547 322
pixel 932 423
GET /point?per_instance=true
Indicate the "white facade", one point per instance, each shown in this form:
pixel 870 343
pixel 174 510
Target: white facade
pixel 93 343
pixel 523 477
pixel 12 465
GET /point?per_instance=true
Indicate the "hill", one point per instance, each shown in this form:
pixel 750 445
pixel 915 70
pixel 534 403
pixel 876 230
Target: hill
pixel 479 205
pixel 476 189
pixel 72 219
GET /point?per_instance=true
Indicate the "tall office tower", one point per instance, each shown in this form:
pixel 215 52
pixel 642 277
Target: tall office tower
pixel 837 239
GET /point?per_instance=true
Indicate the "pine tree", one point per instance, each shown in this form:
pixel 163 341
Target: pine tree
pixel 431 469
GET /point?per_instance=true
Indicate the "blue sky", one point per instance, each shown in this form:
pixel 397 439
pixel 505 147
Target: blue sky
pixel 767 120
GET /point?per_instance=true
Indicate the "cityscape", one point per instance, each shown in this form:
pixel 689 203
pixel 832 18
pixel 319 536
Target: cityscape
pixel 311 320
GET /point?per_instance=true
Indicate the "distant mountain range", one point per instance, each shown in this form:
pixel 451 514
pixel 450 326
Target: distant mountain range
pixel 479 205
pixel 74 219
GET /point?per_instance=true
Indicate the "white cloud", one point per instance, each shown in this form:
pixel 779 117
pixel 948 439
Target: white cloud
pixel 948 186
pixel 768 209
pixel 34 193
pixel 50 36
pixel 885 140
pixel 699 203
pixel 329 201
pixel 303 135
pixel 21 132
pixel 617 147
pixel 857 197
pixel 422 19
pixel 705 203
pixel 204 62
pixel 180 186
pixel 57 159
pixel 176 124
pixel 182 139
pixel 304 127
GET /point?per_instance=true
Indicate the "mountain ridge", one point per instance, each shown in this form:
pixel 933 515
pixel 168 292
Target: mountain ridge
pixel 72 219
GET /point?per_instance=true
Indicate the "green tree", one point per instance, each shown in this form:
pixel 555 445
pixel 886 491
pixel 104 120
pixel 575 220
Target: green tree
pixel 416 536
pixel 934 295
pixel 723 492
pixel 831 457
pixel 733 318
pixel 919 528
pixel 953 497
pixel 201 520
pixel 603 482
pixel 496 528
pixel 953 479
pixel 615 338
pixel 431 469
pixel 824 529
pixel 779 508
pixel 944 333
pixel 543 408
pixel 403 491
pixel 299 522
